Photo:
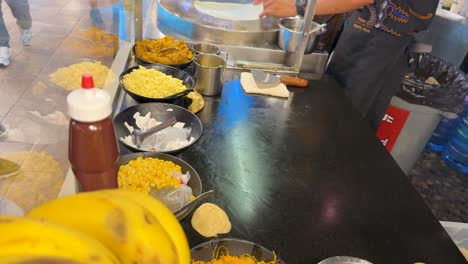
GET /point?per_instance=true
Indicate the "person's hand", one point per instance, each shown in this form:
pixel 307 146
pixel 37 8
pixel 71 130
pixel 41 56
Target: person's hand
pixel 277 8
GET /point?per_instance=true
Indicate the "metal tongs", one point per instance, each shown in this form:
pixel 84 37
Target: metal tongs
pixel 139 135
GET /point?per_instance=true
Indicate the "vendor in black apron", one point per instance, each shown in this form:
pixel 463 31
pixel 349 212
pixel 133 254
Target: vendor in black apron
pixel 370 58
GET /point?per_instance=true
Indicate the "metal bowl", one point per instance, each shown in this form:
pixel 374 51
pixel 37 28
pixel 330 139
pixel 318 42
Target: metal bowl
pixel 176 73
pixel 290 34
pixel 178 66
pixel 205 48
pixel 236 247
pixel 159 111
pixel 344 260
pixel 194 182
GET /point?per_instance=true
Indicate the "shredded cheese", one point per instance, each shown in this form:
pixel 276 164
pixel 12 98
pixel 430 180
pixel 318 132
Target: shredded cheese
pixel 221 256
pixel 152 83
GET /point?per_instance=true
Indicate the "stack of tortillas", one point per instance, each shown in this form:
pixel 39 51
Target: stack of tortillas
pixel 210 220
pixel 250 86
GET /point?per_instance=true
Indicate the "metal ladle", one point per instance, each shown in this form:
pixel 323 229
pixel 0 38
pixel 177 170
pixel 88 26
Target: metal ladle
pixel 139 135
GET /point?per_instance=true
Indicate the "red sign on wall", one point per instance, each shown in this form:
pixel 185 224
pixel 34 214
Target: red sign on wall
pixel 391 125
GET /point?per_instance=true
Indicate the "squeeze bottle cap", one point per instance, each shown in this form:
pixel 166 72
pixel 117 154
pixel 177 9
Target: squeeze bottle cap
pixel 89 104
pixel 87 81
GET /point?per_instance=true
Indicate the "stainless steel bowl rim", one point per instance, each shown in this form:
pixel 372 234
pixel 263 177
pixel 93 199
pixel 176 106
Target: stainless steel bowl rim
pixel 163 6
pixel 216 240
pixel 209 67
pixel 194 50
pixel 312 31
pixel 344 260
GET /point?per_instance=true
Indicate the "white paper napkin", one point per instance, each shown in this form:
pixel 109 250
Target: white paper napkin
pixel 250 86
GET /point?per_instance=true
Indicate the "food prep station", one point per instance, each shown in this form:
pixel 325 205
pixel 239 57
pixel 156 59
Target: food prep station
pixel 249 43
pixel 303 176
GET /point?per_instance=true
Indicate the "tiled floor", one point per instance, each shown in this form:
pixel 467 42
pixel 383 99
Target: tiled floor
pixel 24 87
pixel 444 190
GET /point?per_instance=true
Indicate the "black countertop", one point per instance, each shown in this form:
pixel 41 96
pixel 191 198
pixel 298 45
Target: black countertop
pixel 307 177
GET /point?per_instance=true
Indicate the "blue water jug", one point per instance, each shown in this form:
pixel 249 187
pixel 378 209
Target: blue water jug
pixel 455 153
pixel 442 134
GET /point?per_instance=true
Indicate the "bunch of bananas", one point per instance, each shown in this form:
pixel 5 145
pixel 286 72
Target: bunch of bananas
pixel 102 227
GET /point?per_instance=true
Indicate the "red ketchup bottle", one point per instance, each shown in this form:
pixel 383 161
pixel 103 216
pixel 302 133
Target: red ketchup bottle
pixel 92 146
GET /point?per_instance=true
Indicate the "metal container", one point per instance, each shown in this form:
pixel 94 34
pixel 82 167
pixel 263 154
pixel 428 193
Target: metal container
pixel 235 247
pixel 205 48
pixel 290 34
pixel 180 18
pixel 344 260
pixel 209 69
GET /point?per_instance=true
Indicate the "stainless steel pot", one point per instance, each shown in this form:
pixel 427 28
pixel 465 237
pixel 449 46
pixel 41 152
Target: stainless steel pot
pixel 209 69
pixel 290 34
pixel 205 48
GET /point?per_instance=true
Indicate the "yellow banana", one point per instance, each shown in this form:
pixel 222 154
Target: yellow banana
pixel 153 243
pixel 165 217
pixel 37 260
pixel 131 231
pixel 21 236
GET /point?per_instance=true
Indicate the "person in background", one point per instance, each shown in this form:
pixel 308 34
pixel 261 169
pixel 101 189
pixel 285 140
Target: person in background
pixel 370 59
pixel 96 16
pixel 20 10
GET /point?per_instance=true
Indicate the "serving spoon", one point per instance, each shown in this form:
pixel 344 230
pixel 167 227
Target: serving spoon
pixel 168 48
pixel 196 200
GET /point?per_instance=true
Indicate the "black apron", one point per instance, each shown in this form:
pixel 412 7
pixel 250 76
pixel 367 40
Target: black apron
pixel 370 58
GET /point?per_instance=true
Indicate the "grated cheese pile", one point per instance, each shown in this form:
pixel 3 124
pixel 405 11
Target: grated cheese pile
pixel 38 181
pixel 92 42
pixel 69 77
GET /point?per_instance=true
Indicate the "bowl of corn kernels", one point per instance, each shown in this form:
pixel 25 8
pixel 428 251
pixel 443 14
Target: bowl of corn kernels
pixel 165 177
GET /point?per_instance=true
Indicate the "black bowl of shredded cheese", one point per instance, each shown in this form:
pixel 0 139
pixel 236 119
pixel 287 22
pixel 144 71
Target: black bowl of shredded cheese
pixel 156 83
pixel 231 250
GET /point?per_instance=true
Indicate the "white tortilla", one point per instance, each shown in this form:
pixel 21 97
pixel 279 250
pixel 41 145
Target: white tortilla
pixel 229 11
pixel 250 86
